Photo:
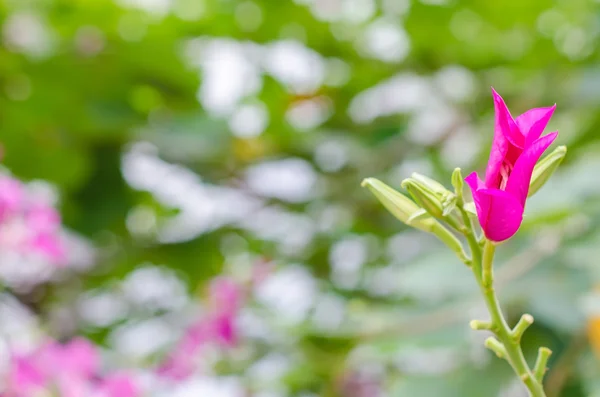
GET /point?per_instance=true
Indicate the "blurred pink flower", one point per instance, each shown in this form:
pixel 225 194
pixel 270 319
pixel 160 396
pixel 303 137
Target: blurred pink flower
pixel 28 225
pixel 72 369
pixel 218 327
pixel 117 385
pixel 11 196
pixel 225 295
pixel 517 146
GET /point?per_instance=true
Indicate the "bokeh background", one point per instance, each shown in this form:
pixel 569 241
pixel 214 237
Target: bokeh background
pixel 184 140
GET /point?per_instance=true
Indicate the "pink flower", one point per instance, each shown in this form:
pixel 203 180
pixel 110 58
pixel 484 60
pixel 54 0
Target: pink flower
pixel 11 196
pixel 25 375
pixel 79 356
pixel 217 328
pixel 117 385
pixel 517 146
pixel 71 369
pixel 225 294
pixel 27 224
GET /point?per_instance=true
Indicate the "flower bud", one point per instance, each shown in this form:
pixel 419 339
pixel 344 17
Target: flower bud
pixel 545 168
pixel 458 182
pixel 425 198
pixel 431 184
pixel 409 213
pixel 430 195
pixel 399 205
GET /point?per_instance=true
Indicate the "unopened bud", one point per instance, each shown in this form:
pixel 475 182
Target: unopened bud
pixel 430 184
pixel 545 168
pixel 430 195
pixel 409 213
pixel 425 198
pixel 403 208
pixel 458 183
pixel 449 204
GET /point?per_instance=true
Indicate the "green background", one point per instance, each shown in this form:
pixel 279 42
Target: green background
pixel 86 85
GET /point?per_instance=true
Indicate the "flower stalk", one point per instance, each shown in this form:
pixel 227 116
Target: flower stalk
pixel 507 342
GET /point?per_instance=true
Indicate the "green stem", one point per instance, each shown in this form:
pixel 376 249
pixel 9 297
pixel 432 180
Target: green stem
pixel 513 347
pixel 540 364
pixel 483 271
pixel 487 275
pixel 472 241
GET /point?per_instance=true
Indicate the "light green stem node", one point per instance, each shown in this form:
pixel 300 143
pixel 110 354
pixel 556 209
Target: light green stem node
pixel 524 322
pixel 478 325
pixel 494 345
pixel 539 369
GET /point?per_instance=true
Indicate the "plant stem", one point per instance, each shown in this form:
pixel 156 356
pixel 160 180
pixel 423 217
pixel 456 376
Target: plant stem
pixel 471 240
pixel 483 271
pixel 512 346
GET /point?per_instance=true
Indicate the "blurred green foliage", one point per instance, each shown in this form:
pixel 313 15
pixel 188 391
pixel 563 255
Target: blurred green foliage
pixel 82 81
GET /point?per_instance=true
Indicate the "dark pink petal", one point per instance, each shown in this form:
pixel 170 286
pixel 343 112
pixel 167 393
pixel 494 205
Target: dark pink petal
pixel 520 177
pixel 506 133
pixel 481 204
pixel 532 122
pixel 506 123
pixel 499 213
pixel 504 216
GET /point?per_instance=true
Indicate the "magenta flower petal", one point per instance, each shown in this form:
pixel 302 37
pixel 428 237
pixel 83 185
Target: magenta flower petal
pixel 532 122
pixel 499 213
pixel 505 214
pixel 519 179
pixel 506 134
pixel 505 122
pixel 481 205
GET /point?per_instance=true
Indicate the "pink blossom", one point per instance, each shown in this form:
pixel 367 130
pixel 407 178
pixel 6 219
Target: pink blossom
pixel 517 146
pixel 117 385
pixel 11 196
pixel 72 369
pixel 225 295
pixel 28 225
pixel 217 327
